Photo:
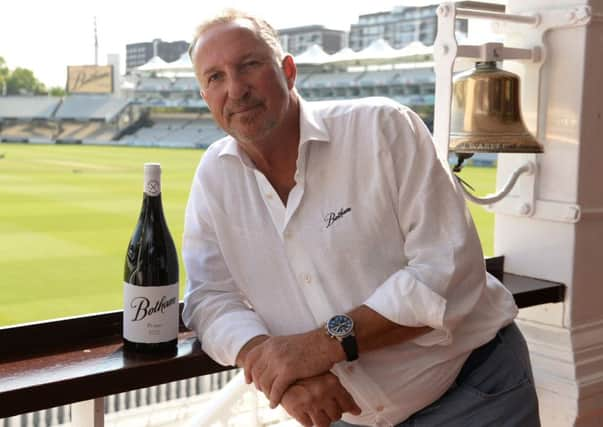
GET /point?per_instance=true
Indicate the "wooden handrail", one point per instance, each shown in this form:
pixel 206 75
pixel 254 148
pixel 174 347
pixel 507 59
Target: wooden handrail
pixel 57 362
pixel 47 364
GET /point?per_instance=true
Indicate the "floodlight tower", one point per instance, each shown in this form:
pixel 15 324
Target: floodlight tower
pixel 95 43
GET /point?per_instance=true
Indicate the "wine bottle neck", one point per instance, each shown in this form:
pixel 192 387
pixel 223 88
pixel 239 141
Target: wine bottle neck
pixel 152 200
pixel 152 179
pixel 152 188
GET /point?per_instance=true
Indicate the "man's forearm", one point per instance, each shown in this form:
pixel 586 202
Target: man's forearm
pixel 373 331
pixel 274 363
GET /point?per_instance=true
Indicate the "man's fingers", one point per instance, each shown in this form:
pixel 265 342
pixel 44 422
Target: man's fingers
pixel 278 388
pixel 247 376
pixel 333 410
pixel 321 419
pixel 265 382
pixel 347 403
pixel 249 365
pixel 257 371
pixel 255 362
pixel 304 419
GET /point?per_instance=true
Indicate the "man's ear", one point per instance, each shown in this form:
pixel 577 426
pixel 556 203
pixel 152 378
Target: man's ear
pixel 290 70
pixel 201 93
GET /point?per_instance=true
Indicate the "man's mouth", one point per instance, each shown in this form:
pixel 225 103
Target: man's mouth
pixel 243 109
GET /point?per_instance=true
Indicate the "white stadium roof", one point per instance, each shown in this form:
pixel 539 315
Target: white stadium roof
pixel 344 55
pixel 378 52
pixel 28 107
pixel 181 64
pixel 313 55
pixel 154 64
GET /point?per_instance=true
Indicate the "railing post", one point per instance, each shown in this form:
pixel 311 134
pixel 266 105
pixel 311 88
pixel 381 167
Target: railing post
pixel 89 413
pixel 111 404
pixel 152 395
pixel 182 389
pixel 54 416
pixel 144 396
pixel 121 401
pixel 173 387
pixel 163 392
pixel 131 402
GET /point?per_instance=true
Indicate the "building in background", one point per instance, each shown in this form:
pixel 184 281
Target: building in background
pixel 398 27
pixel 297 39
pixel 113 59
pixel 139 53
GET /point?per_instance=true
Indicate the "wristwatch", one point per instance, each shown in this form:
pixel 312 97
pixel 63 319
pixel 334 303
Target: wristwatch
pixel 341 327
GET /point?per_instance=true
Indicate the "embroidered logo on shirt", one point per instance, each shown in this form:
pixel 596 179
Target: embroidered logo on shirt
pixel 331 217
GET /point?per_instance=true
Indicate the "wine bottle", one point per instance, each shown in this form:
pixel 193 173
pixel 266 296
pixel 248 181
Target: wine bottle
pixel 150 320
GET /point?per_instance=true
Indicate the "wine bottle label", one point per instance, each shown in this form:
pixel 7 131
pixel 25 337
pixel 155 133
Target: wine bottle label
pixel 150 313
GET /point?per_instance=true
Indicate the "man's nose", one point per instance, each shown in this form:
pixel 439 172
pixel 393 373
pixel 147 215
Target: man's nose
pixel 238 88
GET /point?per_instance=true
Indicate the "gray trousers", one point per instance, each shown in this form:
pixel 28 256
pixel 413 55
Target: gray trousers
pixel 494 388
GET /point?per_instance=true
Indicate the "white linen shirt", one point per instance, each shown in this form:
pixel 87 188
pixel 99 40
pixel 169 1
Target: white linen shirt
pixel 374 218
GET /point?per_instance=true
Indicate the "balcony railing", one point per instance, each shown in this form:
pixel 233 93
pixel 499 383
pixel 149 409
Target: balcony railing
pixel 58 362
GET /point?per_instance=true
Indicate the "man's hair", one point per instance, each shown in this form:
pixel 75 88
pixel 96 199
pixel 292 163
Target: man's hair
pixel 263 29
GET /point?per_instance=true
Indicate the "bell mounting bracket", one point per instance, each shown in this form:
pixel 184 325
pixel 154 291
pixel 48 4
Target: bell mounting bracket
pixel 446 50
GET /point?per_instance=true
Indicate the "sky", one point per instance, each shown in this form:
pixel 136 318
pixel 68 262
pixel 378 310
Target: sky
pixel 46 36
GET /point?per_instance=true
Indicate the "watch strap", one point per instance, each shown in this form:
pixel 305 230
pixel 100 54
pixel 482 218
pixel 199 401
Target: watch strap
pixel 350 347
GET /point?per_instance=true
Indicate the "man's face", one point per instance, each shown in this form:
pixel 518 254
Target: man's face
pixel 243 84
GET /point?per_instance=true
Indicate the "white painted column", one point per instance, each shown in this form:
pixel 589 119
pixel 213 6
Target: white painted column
pixel 565 339
pixel 89 413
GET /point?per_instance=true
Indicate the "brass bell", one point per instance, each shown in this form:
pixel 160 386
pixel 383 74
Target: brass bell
pixel 485 113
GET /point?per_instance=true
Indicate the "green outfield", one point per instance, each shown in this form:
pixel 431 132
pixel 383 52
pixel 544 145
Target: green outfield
pixel 66 214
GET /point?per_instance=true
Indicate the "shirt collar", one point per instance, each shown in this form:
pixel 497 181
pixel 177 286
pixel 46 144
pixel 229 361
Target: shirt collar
pixel 232 148
pixel 312 128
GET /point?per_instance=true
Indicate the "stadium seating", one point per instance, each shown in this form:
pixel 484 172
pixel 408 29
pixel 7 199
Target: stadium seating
pixel 33 131
pixel 26 118
pixel 151 84
pixel 88 107
pixel 72 119
pixel 185 84
pixel 176 130
pixel 105 119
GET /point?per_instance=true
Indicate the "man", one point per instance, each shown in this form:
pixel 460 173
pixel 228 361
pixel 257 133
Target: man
pixel 330 255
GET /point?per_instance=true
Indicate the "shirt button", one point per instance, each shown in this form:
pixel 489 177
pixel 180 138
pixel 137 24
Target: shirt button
pixel 287 234
pixel 269 196
pixel 379 408
pixel 306 278
pixel 350 369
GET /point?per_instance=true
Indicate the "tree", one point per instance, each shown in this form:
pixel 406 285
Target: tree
pixel 56 91
pixel 23 81
pixel 3 74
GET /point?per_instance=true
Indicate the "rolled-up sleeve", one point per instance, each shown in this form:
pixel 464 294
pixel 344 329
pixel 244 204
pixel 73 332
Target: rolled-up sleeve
pixel 445 272
pixel 214 307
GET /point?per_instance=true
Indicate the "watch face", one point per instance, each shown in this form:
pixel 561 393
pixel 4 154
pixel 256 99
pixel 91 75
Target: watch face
pixel 340 325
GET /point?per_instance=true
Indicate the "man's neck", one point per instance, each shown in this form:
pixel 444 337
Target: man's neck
pixel 276 157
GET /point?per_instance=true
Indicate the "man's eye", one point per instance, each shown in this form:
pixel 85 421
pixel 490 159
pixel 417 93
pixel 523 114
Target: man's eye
pixel 213 78
pixel 250 64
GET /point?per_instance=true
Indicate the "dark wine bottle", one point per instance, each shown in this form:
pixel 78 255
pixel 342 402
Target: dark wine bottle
pixel 150 321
